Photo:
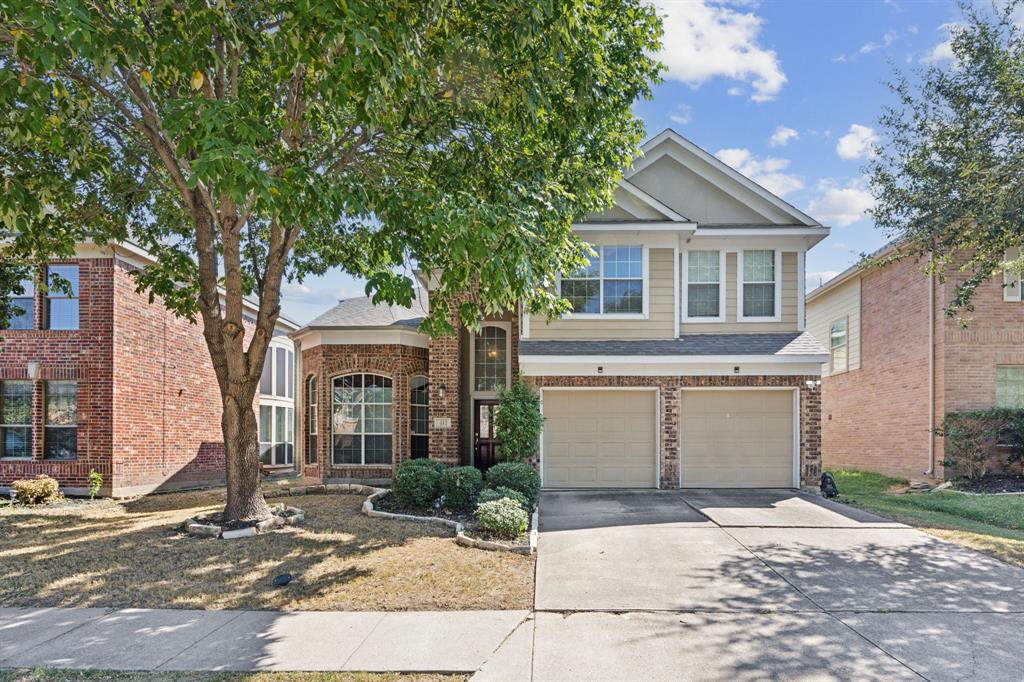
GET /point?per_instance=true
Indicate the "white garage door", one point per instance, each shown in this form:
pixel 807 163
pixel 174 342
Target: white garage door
pixel 737 439
pixel 600 439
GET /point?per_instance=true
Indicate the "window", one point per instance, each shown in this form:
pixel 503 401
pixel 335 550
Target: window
pixel 839 346
pixel 612 283
pixel 311 419
pixel 278 377
pixel 16 419
pixel 759 288
pixel 60 436
pixel 1010 386
pixel 419 417
pixel 490 359
pixel 1011 277
pixel 277 439
pixel 361 420
pixel 704 285
pixel 62 309
pixel 26 303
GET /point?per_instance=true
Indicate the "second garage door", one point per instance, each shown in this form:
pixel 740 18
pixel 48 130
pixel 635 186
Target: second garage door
pixel 737 439
pixel 600 439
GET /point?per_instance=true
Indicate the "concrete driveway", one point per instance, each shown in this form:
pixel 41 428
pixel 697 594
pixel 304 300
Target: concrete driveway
pixel 745 584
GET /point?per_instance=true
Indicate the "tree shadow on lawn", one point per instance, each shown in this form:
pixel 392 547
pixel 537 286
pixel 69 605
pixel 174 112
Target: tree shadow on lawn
pixel 134 555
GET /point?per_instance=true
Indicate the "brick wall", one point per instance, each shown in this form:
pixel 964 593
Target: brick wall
pixel 446 370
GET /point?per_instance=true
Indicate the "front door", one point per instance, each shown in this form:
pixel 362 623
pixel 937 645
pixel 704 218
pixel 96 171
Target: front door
pixel 485 444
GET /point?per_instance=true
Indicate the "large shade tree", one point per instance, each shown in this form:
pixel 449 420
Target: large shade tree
pixel 247 143
pixel 949 172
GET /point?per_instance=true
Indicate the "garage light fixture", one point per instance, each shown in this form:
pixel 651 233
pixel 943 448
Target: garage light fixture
pixel 813 384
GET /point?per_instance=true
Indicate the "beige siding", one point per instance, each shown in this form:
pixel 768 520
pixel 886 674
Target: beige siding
pixel 658 325
pixel 842 301
pixel 790 299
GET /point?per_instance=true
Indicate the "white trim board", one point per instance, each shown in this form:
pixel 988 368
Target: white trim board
pixel 370 336
pixel 530 367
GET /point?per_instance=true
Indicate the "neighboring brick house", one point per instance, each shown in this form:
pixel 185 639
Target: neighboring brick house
pixel 898 364
pixel 103 379
pixel 685 362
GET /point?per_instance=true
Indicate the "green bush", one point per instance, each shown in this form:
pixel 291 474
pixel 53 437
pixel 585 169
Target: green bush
pixel 504 518
pixel 518 422
pixel 425 462
pixel 971 439
pixel 39 490
pixel 492 494
pixel 95 483
pixel 460 486
pixel 518 476
pixel 416 486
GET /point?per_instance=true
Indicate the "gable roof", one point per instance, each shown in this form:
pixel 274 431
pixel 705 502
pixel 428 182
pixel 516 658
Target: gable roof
pixel 361 312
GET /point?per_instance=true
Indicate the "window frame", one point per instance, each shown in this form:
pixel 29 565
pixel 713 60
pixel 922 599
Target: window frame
pixel 412 422
pixel 61 296
pixel 740 282
pixel 49 427
pixel 845 345
pixel 685 294
pixel 270 366
pixel 1019 368
pixel 312 387
pixel 644 279
pixel 362 417
pixel 29 295
pixel 1012 284
pixel 30 425
pixel 473 336
pixel 276 438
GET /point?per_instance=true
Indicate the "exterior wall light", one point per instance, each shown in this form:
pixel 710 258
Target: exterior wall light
pixel 813 384
pixel 441 390
pixel 33 370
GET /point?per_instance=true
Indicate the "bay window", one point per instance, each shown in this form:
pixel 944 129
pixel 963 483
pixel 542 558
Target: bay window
pixel 361 420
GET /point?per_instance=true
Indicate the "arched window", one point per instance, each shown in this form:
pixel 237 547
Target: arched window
pixel 490 359
pixel 311 419
pixel 419 417
pixel 361 422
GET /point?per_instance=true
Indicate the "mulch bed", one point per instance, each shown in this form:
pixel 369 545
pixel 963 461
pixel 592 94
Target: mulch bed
pixel 993 483
pixel 389 503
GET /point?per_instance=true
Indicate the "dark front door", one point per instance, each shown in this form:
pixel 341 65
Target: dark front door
pixel 485 445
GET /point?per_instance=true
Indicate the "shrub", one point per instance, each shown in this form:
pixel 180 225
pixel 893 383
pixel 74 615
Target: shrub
pixel 972 438
pixel 425 462
pixel 518 422
pixel 460 486
pixel 504 518
pixel 416 486
pixel 39 490
pixel 518 476
pixel 95 483
pixel 492 494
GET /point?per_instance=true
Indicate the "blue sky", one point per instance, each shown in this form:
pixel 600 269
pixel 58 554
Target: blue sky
pixel 788 92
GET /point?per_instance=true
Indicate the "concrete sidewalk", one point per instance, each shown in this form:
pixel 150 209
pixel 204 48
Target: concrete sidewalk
pixel 170 639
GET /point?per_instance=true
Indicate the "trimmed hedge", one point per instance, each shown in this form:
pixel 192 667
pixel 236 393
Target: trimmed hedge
pixel 504 518
pixel 39 490
pixel 518 476
pixel 416 486
pixel 460 486
pixel 425 462
pixel 502 493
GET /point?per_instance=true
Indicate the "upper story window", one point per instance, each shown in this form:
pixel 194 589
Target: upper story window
pixel 278 378
pixel 26 303
pixel 490 359
pixel 702 274
pixel 62 308
pixel 16 419
pixel 759 285
pixel 612 283
pixel 839 346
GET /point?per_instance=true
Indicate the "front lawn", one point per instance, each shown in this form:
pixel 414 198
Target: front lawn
pixel 993 524
pixel 131 554
pixel 52 675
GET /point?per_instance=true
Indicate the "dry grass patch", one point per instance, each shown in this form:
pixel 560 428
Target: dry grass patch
pixel 50 675
pixel 132 554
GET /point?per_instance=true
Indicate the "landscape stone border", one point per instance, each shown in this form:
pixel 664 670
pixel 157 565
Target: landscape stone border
pixel 284 515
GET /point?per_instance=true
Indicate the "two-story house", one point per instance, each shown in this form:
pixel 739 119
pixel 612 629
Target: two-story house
pixel 103 379
pixel 898 364
pixel 684 362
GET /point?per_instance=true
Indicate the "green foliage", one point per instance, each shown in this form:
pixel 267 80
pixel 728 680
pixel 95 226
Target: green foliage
pixel 95 483
pixel 504 518
pixel 460 486
pixel 39 490
pixel 416 486
pixel 972 439
pixel 426 462
pixel 948 176
pixel 518 422
pixel 517 476
pixel 501 493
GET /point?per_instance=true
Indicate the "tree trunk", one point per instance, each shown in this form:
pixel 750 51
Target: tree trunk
pixel 242 460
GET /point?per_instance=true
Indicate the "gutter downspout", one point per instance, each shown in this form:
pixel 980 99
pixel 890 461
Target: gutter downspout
pixel 930 471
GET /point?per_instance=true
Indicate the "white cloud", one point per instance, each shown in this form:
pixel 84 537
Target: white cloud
pixel 683 114
pixel 734 91
pixel 841 205
pixel 705 39
pixel 766 172
pixel 782 136
pixel 813 280
pixel 942 51
pixel 858 143
pixel 888 39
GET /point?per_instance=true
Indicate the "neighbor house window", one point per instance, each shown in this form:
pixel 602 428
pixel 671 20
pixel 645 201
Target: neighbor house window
pixel 759 285
pixel 419 418
pixel 1011 277
pixel 612 282
pixel 839 346
pixel 23 316
pixel 277 439
pixel 361 420
pixel 704 284
pixel 311 419
pixel 278 375
pixel 16 419
pixel 62 307
pixel 60 435
pixel 490 359
pixel 1010 386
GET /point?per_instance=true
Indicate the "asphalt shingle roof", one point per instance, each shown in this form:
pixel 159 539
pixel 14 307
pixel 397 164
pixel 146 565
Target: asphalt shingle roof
pixel 785 343
pixel 361 312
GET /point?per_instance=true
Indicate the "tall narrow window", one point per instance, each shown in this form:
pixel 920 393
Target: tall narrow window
pixel 490 359
pixel 25 306
pixel 361 420
pixel 62 305
pixel 16 419
pixel 281 373
pixel 60 437
pixel 839 346
pixel 266 434
pixel 703 284
pixel 419 417
pixel 1010 386
pixel 311 420
pixel 759 283
pixel 267 377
